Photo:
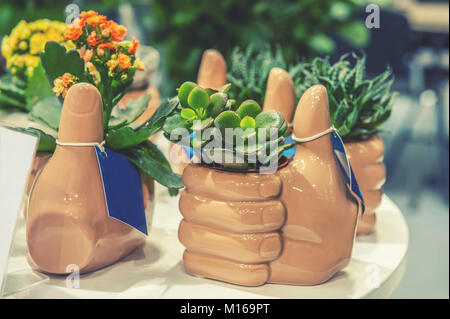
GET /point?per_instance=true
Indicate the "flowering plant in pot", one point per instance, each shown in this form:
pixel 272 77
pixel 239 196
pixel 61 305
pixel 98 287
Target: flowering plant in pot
pixel 99 73
pixel 358 107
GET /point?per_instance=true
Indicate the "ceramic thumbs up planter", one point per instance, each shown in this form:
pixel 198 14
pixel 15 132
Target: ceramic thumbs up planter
pixel 366 158
pixel 321 218
pixel 67 216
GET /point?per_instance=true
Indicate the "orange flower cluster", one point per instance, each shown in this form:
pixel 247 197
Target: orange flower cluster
pixel 63 83
pixel 99 36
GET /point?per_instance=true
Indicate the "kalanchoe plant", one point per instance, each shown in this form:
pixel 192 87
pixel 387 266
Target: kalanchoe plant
pixel 206 115
pixel 249 70
pixel 358 105
pixel 109 63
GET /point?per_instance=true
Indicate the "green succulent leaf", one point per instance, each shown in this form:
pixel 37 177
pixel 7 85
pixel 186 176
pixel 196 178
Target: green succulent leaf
pixel 358 105
pixel 247 122
pixel 269 120
pixel 183 92
pixel 248 108
pixel 227 119
pixel 198 98
pixel 188 114
pixel 217 103
pixel 37 87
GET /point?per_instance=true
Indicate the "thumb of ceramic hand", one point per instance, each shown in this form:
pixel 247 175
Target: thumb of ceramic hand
pixel 280 94
pixel 213 70
pixel 321 214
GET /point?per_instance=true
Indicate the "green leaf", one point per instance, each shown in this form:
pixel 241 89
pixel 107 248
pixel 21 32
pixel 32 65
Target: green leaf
pixel 134 109
pixel 47 143
pixel 227 119
pixel 125 137
pixel 188 114
pixel 217 103
pixel 151 162
pixel 37 87
pixel 321 43
pixel 198 98
pixel 248 108
pixel 247 122
pixel 269 119
pixel 167 107
pixel 48 111
pixel 11 95
pixel 173 122
pixel 183 92
pixel 56 61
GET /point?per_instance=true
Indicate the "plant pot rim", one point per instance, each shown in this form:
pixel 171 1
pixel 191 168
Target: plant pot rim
pixel 282 163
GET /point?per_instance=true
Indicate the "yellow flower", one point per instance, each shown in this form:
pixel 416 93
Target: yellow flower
pixel 22 47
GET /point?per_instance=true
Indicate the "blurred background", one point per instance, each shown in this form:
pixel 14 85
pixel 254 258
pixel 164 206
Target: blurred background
pixel 413 39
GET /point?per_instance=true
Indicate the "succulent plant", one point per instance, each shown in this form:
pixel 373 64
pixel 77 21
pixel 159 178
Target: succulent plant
pixel 358 105
pixel 249 70
pixel 201 109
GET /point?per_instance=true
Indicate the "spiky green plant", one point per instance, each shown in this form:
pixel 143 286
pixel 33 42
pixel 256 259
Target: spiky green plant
pixel 249 70
pixel 358 105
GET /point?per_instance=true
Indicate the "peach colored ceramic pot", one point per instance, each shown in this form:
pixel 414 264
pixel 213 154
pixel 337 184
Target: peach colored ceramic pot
pixel 67 220
pixel 296 226
pixel 366 158
pixel 231 224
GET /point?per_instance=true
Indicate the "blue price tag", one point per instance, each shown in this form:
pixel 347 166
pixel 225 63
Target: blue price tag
pixel 123 189
pixel 346 169
pixel 290 152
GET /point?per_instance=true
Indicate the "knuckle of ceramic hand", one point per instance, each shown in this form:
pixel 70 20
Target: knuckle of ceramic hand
pixel 238 217
pixel 246 248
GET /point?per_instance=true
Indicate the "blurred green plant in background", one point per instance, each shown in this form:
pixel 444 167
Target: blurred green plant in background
pixel 306 28
pixel 182 29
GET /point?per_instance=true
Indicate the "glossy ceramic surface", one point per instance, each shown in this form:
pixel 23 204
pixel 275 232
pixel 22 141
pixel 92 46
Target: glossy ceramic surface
pixel 296 226
pixel 67 220
pixel 231 224
pixel 366 158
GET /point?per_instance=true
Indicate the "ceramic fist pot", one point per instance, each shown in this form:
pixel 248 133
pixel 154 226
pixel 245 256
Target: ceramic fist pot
pixel 296 226
pixel 67 220
pixel 366 158
pixel 231 224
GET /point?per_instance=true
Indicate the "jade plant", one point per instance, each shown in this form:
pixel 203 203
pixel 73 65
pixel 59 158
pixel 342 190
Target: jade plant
pixel 223 133
pixel 358 105
pixel 249 70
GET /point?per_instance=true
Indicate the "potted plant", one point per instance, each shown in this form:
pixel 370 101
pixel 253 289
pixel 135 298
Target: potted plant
pixel 102 70
pixel 234 210
pixel 358 107
pixel 226 175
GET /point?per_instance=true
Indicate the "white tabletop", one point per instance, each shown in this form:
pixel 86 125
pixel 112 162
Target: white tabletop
pixel 156 270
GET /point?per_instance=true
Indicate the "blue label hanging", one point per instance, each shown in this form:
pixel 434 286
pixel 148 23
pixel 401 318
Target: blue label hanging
pixel 346 169
pixel 123 189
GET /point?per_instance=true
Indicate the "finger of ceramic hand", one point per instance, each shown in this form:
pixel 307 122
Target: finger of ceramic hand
pixel 312 114
pixel 213 70
pixel 246 248
pixel 230 186
pixel 280 94
pixel 237 217
pixel 225 270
